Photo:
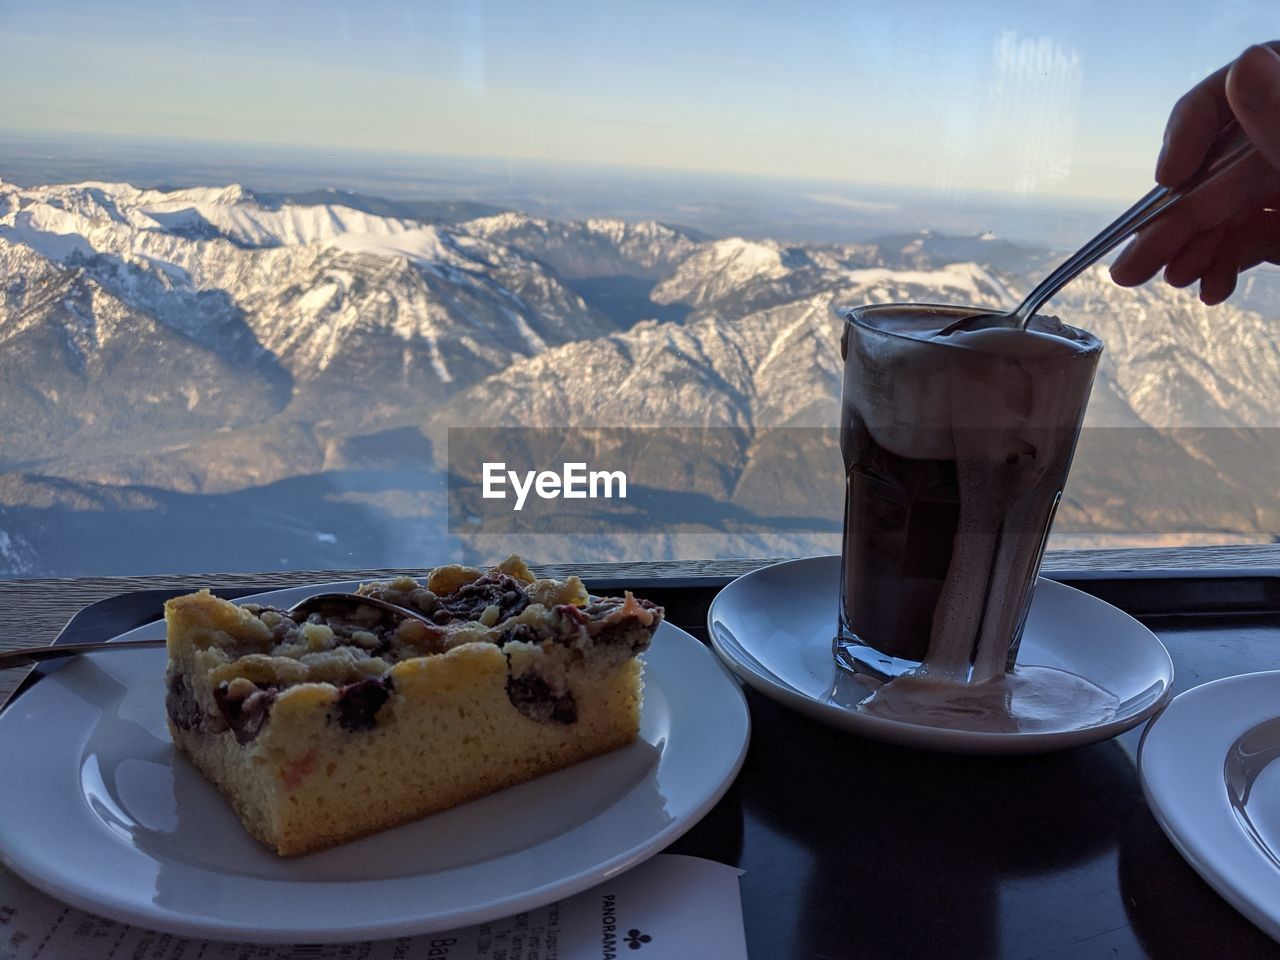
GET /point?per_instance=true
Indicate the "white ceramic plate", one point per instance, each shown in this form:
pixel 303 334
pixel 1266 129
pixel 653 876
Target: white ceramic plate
pixel 98 810
pixel 774 628
pixel 1207 768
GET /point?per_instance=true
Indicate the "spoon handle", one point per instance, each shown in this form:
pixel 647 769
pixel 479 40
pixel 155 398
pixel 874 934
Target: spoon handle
pixel 1229 147
pixel 316 603
pixel 28 655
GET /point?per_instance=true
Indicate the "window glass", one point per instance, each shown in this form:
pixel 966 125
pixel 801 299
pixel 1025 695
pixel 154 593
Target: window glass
pixel 257 261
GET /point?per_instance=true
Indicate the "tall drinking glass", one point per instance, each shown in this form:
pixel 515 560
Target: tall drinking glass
pixel 956 449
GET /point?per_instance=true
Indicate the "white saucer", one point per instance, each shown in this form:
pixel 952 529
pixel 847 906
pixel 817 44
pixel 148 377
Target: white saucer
pixel 1207 768
pixel 98 810
pixel 774 628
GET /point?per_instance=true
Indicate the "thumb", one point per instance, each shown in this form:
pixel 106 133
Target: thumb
pixel 1253 91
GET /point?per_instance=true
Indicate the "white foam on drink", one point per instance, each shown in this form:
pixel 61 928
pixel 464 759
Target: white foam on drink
pixel 919 403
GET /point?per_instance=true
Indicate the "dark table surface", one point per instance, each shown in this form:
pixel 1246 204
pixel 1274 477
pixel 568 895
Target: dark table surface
pixel 857 849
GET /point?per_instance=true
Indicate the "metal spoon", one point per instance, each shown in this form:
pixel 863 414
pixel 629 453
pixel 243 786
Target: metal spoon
pixel 1229 148
pixel 329 601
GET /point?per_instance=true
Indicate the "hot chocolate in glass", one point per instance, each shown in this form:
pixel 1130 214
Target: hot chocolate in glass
pixel 956 449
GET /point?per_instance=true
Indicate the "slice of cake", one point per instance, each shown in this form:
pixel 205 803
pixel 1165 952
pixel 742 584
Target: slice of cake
pixel 324 728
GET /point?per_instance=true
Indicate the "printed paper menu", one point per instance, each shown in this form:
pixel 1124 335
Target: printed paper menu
pixel 669 908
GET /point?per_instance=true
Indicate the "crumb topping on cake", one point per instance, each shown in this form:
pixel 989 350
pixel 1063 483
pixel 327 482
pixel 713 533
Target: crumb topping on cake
pixel 253 653
pixel 507 603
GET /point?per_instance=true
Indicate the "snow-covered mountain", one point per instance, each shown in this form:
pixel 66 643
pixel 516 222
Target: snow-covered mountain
pixel 210 341
pixel 1174 439
pixel 1170 362
pixel 591 248
pixel 80 363
pixel 350 307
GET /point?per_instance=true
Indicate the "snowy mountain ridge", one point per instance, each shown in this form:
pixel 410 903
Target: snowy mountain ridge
pixel 209 342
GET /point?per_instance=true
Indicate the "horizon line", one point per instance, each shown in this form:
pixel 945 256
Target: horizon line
pixel 14 136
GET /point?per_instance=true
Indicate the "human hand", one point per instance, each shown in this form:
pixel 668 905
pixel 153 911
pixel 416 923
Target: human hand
pixel 1231 224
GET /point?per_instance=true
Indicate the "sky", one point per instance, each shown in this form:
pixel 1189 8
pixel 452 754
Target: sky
pixel 1063 98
